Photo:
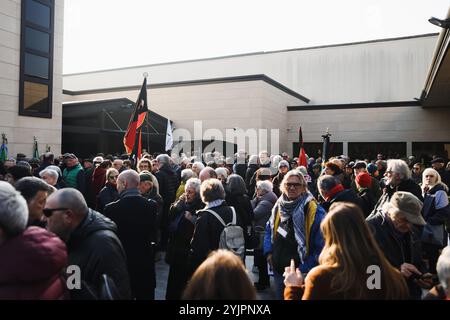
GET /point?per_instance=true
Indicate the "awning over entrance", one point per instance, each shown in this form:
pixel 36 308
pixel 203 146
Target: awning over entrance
pixel 90 127
pixel 437 87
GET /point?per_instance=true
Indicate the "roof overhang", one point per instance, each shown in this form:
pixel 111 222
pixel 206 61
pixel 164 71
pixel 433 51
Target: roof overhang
pixel 436 92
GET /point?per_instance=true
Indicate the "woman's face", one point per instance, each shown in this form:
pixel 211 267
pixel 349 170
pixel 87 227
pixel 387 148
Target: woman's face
pixel 329 171
pixel 294 187
pixel 190 195
pixel 430 179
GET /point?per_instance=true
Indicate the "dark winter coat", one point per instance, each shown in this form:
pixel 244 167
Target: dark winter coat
pixel 96 249
pixel 108 194
pixel 262 208
pixel 135 217
pixel 346 195
pixel 368 201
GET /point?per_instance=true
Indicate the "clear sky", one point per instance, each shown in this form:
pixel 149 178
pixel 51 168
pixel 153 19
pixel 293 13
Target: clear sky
pixel 105 34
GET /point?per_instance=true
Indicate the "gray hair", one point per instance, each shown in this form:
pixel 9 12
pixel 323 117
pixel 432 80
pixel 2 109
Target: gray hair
pixel 253 159
pixel 194 183
pixel 236 185
pixel 211 190
pixel 222 171
pixel 186 174
pixel 50 172
pixel 443 268
pixel 265 185
pixel 399 166
pixel 199 164
pixel 292 173
pixel 72 199
pixel 13 210
pixel 163 158
pixel 30 186
pixel 327 182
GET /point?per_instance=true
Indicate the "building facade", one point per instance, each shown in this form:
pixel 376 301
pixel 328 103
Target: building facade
pixel 31 52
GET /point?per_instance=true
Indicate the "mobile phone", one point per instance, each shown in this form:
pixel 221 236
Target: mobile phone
pixel 415 276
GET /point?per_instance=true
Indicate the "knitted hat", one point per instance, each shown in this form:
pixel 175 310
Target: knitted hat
pixel 371 168
pixel 363 179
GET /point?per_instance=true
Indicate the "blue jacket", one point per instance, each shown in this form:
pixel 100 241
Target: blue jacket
pixel 316 241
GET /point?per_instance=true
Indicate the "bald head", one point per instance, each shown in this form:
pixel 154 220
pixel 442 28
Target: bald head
pixel 128 179
pixel 207 173
pixel 70 198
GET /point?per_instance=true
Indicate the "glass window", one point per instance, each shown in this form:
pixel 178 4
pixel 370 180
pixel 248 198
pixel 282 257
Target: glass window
pixel 35 97
pixel 38 14
pixel 37 40
pixel 36 66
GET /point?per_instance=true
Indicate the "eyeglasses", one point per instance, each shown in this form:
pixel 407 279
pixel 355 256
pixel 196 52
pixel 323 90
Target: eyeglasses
pixel 294 185
pixel 48 212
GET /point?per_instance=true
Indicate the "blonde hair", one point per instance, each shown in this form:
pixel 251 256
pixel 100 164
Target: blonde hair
pixel 350 248
pixel 434 173
pixel 222 276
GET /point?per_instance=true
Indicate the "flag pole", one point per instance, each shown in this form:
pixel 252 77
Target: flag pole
pixel 145 74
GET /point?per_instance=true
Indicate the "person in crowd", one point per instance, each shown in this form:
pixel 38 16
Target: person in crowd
pixel 32 260
pixel 240 165
pixel 441 291
pixel 99 177
pixel 35 192
pixel 207 227
pixel 109 192
pixel 293 230
pixel 363 183
pixel 127 165
pixel 262 207
pixel 334 169
pixel 349 251
pixel 283 168
pixel 87 164
pixel 315 174
pixel 211 281
pixel 393 230
pixel 397 178
pixel 51 177
pixel 17 172
pixel 181 229
pixel 436 212
pixel 382 166
pixel 197 167
pixel 168 185
pixel 91 241
pixel 438 164
pixel 118 164
pixel 236 197
pixel 417 171
pixel 186 174
pixel 333 191
pixel 222 174
pixel 73 174
pixel 48 159
pixel 135 217
pixel 144 165
pixel 253 165
pixel 207 173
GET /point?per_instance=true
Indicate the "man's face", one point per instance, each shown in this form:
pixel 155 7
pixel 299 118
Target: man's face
pixel 348 170
pixel 36 204
pixel 416 169
pixel 59 222
pixel 190 195
pixel 8 164
pixel 294 187
pixel 70 162
pixel 392 178
pixel 437 165
pixel 117 164
pixel 401 224
pixel 155 165
pixel 359 170
pixel 87 165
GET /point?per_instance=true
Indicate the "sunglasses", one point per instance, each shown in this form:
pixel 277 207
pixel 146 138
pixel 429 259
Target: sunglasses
pixel 295 185
pixel 49 212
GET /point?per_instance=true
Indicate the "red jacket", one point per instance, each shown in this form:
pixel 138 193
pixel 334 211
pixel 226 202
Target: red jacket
pixel 32 265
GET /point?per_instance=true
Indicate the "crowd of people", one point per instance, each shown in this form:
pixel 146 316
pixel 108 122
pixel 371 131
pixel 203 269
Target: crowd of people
pixel 317 229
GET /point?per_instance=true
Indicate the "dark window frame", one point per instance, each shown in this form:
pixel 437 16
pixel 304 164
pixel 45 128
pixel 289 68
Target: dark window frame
pixel 23 50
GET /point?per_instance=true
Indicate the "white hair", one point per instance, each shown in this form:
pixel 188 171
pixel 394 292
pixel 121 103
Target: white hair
pixel 265 185
pixel 56 168
pixel 186 174
pixel 52 173
pixel 443 268
pixel 222 171
pixel 399 166
pixel 13 210
pixel 199 164
pixel 163 158
pixel 193 183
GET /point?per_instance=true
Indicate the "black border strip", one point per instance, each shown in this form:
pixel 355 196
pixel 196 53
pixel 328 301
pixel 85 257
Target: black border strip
pixel 254 77
pixel 355 106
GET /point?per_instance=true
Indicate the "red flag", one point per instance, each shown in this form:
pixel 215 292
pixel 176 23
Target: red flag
pixel 137 119
pixel 302 161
